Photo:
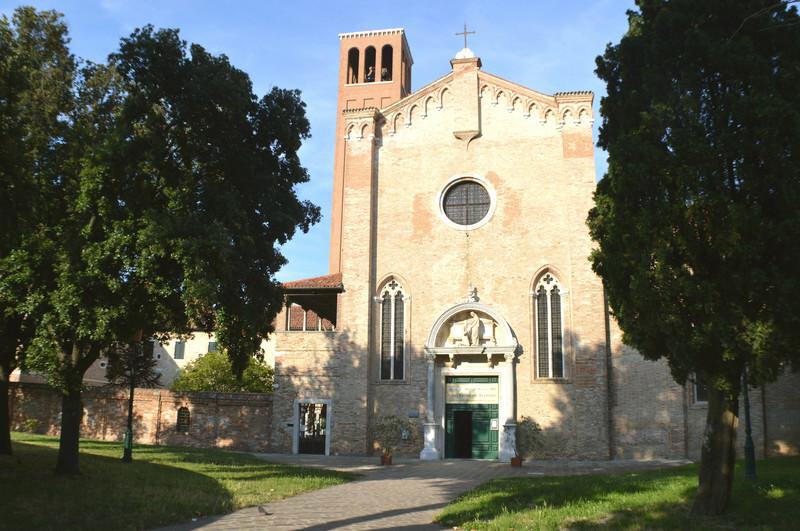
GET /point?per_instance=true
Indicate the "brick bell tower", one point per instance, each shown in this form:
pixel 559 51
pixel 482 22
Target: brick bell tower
pixel 374 72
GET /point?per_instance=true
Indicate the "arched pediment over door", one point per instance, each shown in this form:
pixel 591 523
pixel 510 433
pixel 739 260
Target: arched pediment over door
pixel 471 329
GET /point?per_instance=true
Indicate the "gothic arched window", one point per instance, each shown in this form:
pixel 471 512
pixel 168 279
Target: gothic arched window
pixel 392 342
pixel 549 328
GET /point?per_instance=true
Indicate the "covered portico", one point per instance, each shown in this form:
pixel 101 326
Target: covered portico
pixel 471 353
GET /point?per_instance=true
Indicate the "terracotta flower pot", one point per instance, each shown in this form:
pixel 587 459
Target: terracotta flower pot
pixel 516 461
pixel 386 459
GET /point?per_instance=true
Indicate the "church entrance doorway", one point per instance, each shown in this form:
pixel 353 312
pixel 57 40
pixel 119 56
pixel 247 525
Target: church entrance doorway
pixel 462 434
pixel 471 417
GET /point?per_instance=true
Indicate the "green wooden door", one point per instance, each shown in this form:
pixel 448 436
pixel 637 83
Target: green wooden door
pixel 484 438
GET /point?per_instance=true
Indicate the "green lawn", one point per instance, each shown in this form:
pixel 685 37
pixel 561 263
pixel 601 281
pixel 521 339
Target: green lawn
pixel 647 500
pixel 164 485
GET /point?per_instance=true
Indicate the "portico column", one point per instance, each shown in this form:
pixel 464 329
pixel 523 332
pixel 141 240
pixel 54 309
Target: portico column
pixel 508 439
pixel 429 452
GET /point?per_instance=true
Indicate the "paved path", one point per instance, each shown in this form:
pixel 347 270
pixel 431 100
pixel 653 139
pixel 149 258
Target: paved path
pixel 406 495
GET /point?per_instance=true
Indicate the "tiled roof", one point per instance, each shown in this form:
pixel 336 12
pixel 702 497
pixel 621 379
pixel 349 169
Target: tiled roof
pixel 333 281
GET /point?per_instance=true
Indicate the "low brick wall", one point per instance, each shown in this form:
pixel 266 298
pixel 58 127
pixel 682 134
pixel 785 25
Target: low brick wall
pixel 238 421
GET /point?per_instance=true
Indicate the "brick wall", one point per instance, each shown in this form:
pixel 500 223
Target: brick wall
pixel 781 409
pixel 238 421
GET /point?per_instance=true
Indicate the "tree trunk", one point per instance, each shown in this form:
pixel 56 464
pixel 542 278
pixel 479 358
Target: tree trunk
pixel 71 415
pixel 127 453
pixel 718 455
pixel 10 340
pixel 5 420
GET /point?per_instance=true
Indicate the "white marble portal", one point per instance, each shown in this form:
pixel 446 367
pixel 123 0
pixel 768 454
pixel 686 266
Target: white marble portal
pixel 470 339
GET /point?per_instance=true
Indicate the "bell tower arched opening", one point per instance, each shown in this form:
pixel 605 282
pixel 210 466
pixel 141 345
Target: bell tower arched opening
pixel 386 62
pixel 369 64
pixel 352 66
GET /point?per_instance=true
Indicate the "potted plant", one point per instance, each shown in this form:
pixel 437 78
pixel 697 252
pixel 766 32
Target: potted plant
pixel 529 439
pixel 390 432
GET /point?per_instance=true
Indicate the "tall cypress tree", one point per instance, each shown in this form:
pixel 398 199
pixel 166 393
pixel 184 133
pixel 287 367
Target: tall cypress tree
pixel 698 219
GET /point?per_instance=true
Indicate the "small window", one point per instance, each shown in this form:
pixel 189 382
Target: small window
pixel 212 346
pixel 466 203
pixel 184 419
pixel 700 389
pixel 180 349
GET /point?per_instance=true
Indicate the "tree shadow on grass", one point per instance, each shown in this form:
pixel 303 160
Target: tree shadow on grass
pixel 509 495
pixel 163 485
pixel 108 494
pixel 648 500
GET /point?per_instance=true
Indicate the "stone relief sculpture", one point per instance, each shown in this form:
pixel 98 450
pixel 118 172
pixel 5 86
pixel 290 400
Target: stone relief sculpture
pixel 472 329
pixel 476 331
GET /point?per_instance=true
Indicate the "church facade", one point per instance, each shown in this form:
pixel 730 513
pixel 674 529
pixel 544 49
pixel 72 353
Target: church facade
pixel 460 295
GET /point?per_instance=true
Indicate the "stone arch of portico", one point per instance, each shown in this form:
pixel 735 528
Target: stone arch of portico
pixel 481 358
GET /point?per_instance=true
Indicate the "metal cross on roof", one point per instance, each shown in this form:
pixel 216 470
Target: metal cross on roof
pixel 465 33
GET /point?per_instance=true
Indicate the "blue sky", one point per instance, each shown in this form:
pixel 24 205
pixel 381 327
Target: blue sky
pixel 547 45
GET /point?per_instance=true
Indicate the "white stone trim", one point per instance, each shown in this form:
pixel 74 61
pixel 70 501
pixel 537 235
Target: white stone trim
pixel 296 420
pixel 370 33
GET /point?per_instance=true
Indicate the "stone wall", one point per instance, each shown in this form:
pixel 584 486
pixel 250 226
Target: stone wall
pixel 237 421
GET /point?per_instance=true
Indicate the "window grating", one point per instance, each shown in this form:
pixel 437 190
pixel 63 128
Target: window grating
pixel 541 332
pixel 555 319
pixel 700 389
pixel 184 419
pixel 398 335
pixel 386 336
pixel 466 203
pixel 550 357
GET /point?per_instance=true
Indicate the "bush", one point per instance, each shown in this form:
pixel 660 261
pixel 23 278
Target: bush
pixel 529 437
pixel 392 431
pixel 31 426
pixel 212 372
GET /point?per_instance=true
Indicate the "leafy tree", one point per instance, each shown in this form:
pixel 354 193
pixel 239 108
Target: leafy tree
pixel 36 73
pixel 213 372
pixel 698 218
pixel 130 366
pixel 175 192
